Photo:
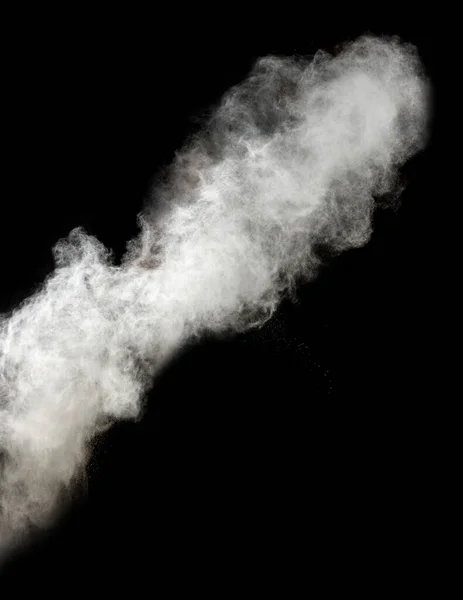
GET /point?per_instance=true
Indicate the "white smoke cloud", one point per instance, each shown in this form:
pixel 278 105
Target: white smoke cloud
pixel 292 157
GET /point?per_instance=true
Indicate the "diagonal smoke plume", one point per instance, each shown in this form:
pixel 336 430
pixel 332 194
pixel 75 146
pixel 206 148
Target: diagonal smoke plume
pixel 292 157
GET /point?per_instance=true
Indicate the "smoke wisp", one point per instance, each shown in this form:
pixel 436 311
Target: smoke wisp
pixel 292 157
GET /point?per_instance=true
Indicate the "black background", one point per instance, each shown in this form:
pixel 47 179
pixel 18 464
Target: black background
pixel 297 451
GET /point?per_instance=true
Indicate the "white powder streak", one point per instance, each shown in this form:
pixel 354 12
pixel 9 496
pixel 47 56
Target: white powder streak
pixel 292 157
